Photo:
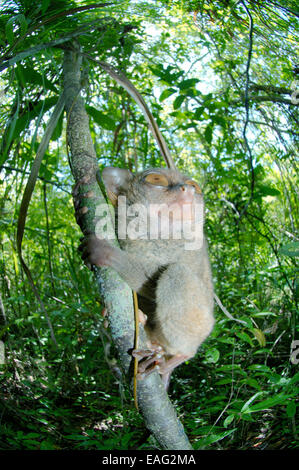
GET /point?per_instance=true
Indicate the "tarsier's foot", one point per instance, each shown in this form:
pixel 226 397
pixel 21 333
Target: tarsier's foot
pixel 155 359
pixel 150 360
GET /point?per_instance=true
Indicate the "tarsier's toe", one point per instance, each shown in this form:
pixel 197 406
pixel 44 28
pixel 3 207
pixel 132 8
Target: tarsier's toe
pixel 149 361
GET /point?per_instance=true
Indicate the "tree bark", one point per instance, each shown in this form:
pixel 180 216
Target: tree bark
pixel 158 412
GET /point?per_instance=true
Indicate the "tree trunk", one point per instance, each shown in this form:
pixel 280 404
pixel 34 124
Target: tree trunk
pixel 159 414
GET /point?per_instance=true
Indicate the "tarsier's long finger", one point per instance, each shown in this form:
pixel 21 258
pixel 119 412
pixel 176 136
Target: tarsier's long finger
pixel 142 353
pixel 144 365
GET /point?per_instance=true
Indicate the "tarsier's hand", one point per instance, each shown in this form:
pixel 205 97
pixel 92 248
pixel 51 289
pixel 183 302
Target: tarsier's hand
pixel 96 252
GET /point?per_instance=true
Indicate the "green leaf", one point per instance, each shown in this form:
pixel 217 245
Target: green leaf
pixel 10 130
pixel 178 101
pixel 212 356
pixel 252 383
pixel 291 409
pixel 246 406
pixel 259 336
pixel 267 191
pixel 228 421
pixel 188 83
pixel 290 249
pixel 260 368
pixel 45 5
pixel 295 378
pixel 263 405
pixel 100 118
pixel 220 121
pixel 198 112
pixel 47 445
pixel 31 435
pixel 9 27
pixel 269 403
pixel 58 129
pixel 29 75
pixel 168 75
pixel 210 439
pixel 24 121
pixel 208 133
pixel 166 93
pixel 245 337
pixel 264 314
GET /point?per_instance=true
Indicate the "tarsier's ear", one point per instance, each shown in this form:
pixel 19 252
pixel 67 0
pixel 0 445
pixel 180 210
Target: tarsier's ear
pixel 115 180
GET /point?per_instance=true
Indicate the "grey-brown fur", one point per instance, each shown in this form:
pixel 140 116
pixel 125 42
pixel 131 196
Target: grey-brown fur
pixel 174 285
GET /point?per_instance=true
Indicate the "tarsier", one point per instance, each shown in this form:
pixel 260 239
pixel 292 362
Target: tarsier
pixel 171 276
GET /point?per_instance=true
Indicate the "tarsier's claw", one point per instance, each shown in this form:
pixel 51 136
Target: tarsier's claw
pixel 149 360
pixel 142 353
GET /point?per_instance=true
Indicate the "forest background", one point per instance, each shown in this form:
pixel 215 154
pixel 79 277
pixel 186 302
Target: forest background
pixel 221 79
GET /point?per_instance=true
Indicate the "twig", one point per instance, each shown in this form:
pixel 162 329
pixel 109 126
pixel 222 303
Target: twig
pixel 247 110
pixel 41 178
pixel 226 312
pixel 136 341
pixel 26 201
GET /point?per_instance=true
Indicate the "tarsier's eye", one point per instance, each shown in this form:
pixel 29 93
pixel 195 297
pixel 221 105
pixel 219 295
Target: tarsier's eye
pixel 195 185
pixel 156 179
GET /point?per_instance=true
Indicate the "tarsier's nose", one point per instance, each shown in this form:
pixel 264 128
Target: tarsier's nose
pixel 187 187
pixel 186 193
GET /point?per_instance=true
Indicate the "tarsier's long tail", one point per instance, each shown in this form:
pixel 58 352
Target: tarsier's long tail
pixel 122 80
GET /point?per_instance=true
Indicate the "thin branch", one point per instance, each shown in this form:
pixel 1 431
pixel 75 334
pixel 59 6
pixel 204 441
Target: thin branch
pixel 273 99
pixel 123 81
pixel 271 126
pixel 26 201
pixel 247 111
pixel 48 238
pixel 2 309
pixel 272 88
pixel 226 312
pixel 41 178
pixel 274 249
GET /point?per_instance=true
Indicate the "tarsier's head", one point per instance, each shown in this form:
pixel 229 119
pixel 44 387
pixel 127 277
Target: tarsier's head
pixel 162 202
pixel 152 186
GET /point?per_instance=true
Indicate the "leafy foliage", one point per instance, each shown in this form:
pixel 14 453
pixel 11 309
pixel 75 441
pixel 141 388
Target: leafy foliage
pixel 189 59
